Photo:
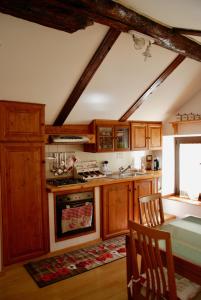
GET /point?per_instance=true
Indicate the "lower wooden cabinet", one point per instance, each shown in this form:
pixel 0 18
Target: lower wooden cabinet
pixel 141 188
pixel 23 201
pixel 120 204
pixel 117 209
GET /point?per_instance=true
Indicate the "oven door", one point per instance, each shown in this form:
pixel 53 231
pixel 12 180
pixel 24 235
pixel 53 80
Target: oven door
pixel 74 217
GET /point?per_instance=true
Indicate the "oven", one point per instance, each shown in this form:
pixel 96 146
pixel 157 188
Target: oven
pixel 75 214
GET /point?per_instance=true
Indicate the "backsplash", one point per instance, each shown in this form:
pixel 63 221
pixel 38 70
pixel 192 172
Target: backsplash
pixel 115 159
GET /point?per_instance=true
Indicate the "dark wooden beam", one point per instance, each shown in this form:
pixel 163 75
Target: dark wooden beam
pixel 152 87
pixel 116 15
pixel 46 13
pixel 187 31
pixel 72 15
pixel 88 73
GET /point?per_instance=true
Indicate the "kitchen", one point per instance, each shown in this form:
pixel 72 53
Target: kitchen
pixel 36 46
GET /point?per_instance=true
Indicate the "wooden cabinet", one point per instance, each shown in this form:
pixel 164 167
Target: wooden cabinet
pixel 142 188
pixel 120 204
pixel 117 208
pixel 146 136
pixel 110 136
pixel 21 121
pixel 155 136
pixel 22 180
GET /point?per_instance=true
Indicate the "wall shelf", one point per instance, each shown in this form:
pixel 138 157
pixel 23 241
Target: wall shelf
pixel 176 124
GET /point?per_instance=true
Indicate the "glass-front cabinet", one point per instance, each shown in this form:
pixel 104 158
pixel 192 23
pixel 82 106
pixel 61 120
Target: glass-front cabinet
pixel 121 138
pixel 105 138
pixel 113 138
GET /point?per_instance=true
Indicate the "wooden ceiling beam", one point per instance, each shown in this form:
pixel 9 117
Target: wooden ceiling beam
pixel 46 13
pixel 87 75
pixel 152 87
pixel 118 16
pixel 72 15
pixel 186 31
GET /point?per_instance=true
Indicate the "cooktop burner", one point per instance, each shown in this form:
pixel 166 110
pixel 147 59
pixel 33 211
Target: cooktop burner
pixel 64 181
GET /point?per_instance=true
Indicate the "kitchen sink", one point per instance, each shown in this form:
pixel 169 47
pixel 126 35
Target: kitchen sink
pixel 125 175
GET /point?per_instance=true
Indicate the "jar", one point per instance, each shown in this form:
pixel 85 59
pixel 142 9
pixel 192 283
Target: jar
pixel 184 117
pixel 178 117
pixel 191 116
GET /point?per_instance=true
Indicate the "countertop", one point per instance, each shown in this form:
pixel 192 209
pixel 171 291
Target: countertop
pixel 102 181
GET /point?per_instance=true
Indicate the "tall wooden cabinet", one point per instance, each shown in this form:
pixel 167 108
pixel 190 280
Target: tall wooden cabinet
pixel 117 208
pixel 22 179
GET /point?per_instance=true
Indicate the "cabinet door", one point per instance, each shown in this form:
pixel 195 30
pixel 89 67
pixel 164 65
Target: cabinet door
pixel 24 203
pixel 105 139
pixel 139 136
pixel 116 209
pixel 21 121
pixel 122 138
pixel 155 136
pixel 141 188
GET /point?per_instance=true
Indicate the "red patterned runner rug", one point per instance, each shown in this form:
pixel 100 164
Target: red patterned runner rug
pixel 56 268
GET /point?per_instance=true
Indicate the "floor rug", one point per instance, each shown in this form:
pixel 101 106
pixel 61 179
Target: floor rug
pixel 56 268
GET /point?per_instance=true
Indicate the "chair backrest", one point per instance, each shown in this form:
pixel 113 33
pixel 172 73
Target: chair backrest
pixel 151 210
pixel 159 281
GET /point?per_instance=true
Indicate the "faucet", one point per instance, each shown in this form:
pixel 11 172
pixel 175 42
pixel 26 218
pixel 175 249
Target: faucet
pixel 122 170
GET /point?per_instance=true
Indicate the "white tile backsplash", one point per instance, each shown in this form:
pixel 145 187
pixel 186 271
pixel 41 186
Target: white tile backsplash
pixel 116 159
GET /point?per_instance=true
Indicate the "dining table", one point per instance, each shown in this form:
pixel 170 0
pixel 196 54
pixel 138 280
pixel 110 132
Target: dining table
pixel 186 246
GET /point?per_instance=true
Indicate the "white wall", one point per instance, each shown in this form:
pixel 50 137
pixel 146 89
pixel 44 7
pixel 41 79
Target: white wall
pixel 194 106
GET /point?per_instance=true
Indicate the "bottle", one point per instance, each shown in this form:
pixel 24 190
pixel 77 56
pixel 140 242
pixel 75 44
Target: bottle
pixel 105 167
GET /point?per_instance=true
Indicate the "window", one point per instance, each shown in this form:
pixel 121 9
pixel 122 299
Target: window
pixel 188 167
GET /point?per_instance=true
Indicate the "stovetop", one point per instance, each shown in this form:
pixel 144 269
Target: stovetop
pixel 64 181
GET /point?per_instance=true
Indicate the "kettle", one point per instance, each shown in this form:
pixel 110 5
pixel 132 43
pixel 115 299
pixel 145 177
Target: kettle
pixel 156 164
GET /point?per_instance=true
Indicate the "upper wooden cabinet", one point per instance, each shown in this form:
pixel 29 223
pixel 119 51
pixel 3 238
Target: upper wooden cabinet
pixel 21 121
pixel 110 136
pixel 146 136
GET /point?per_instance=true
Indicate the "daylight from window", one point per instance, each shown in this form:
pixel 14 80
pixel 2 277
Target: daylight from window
pixel 189 170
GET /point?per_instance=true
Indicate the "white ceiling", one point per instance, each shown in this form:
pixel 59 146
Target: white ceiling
pixel 40 64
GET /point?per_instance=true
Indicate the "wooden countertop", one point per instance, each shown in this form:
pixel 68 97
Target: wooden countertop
pixel 101 181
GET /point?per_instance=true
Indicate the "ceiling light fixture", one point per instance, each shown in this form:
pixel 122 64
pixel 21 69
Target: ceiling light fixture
pixel 140 41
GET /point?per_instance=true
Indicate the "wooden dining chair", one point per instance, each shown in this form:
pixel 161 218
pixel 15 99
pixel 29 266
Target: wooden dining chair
pixel 151 210
pixel 156 279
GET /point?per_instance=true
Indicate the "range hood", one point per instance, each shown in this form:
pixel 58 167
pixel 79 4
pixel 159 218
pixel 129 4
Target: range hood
pixel 69 139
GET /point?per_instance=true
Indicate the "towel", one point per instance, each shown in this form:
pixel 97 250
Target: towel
pixel 76 217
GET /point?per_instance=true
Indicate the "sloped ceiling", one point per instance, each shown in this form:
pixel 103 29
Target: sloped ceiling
pixel 40 64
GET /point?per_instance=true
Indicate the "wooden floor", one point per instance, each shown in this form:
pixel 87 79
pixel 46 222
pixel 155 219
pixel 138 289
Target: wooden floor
pixel 103 283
